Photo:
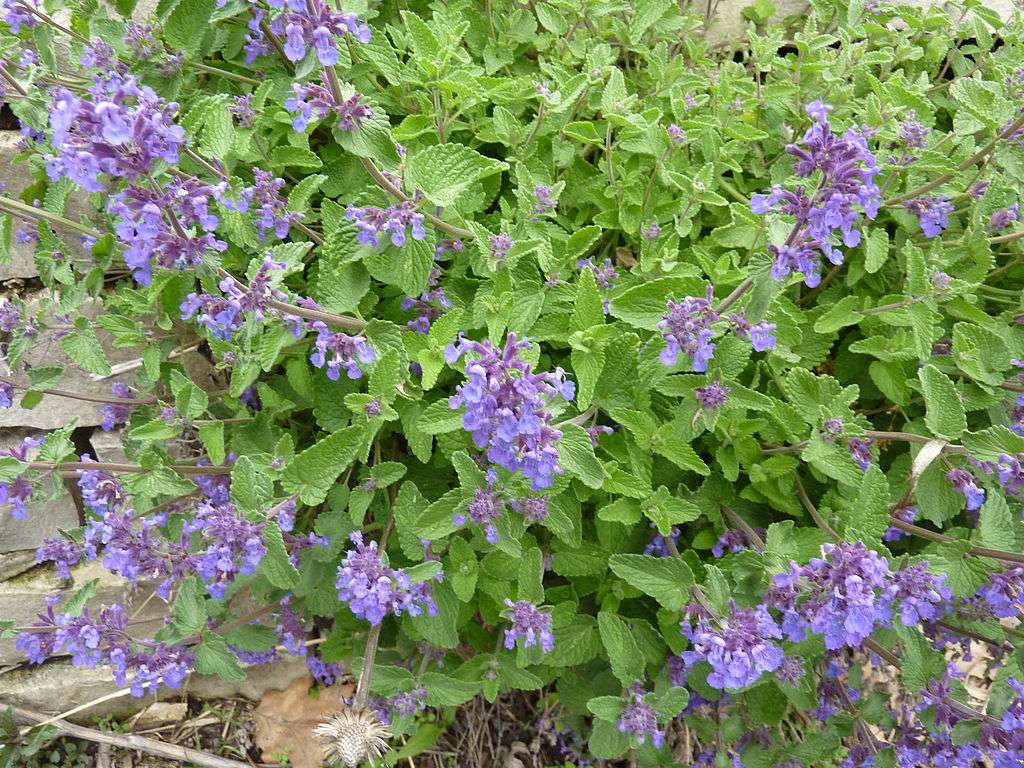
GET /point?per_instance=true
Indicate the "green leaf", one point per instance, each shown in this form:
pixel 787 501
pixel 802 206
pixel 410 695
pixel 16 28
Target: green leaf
pixel 295 157
pixel 605 707
pixel 666 579
pixel 252 637
pixel 276 565
pixel 312 472
pixel 945 415
pixel 644 305
pixel 665 510
pixel 920 663
pixel 83 346
pixel 623 652
pixel 869 517
pixel 672 702
pixel 212 437
pixel 187 24
pixel 189 608
pixel 251 489
pixel 213 657
pixel 462 570
pixel 576 456
pixel 76 603
pixel 444 691
pixel 841 314
pixel 996 529
pixel 587 366
pixel 606 741
pixel 531 576
pixel 438 418
pixel 589 309
pixel 441 630
pixel 444 171
pixel 876 249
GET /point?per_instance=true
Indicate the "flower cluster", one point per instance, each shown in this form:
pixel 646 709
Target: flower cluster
pixel 373 590
pixel 738 647
pixel 170 227
pixel 639 720
pixel 932 213
pixel 144 665
pixel 850 591
pixel 314 102
pixel 264 199
pixel 506 407
pixel 483 509
pixel 337 350
pixel 529 624
pixel 687 328
pixel 116 414
pixel 224 314
pixel 121 129
pixel 16 492
pixel 392 221
pixel 314 24
pixel 430 305
pixel 846 190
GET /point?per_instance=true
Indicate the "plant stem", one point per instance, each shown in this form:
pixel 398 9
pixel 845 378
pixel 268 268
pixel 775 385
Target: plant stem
pixel 820 521
pixel 924 533
pixel 978 156
pixel 80 396
pixel 366 674
pixel 18 208
pixel 221 73
pixel 80 466
pixel 134 742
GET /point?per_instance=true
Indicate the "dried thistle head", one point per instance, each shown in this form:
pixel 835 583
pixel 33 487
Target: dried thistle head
pixel 352 736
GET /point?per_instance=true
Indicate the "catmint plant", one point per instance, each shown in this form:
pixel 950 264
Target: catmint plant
pixel 560 358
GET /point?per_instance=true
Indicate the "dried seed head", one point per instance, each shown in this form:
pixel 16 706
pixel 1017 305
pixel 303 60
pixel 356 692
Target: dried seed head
pixel 352 736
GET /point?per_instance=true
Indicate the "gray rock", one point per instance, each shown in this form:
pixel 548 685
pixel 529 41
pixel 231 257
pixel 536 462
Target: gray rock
pixel 56 687
pixel 21 598
pixel 53 411
pixel 728 27
pixel 16 176
pixel 42 519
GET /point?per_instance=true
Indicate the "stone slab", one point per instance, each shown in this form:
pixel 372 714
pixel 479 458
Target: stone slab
pixel 16 176
pixel 22 597
pixel 57 686
pixel 54 412
pixel 729 28
pixel 43 519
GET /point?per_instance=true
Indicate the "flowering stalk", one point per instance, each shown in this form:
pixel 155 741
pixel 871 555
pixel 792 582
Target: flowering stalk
pixel 79 395
pixel 79 466
pixel 978 156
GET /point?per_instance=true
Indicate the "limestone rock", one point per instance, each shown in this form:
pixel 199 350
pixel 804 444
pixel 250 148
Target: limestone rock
pixel 43 519
pixel 17 176
pixel 22 597
pixel 56 687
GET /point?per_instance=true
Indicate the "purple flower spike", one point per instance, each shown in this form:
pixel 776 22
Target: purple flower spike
pixel 119 128
pixel 738 647
pixel 963 481
pixel 686 328
pixel 846 190
pixel 393 221
pixel 530 625
pixel 712 396
pixel 373 590
pixel 339 350
pixel 639 720
pixel 836 596
pixel 932 212
pixel 506 407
